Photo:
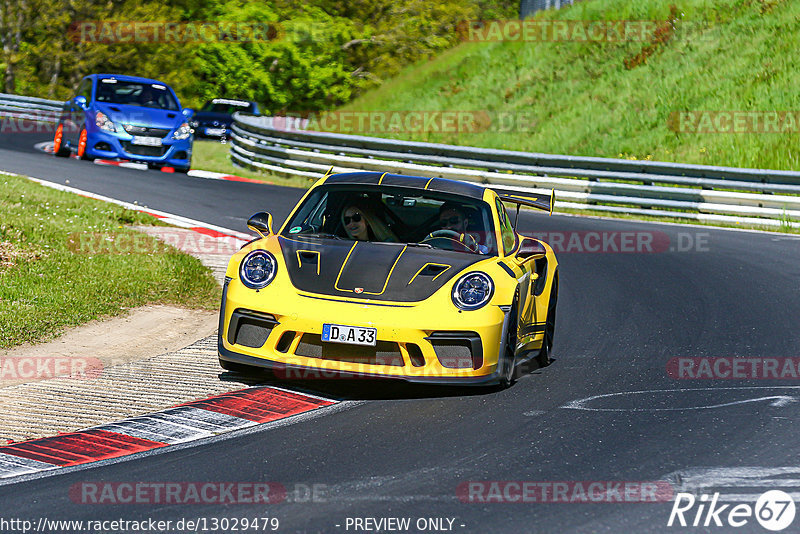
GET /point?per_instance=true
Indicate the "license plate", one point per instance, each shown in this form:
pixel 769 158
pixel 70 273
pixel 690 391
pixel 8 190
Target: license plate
pixel 215 131
pixel 146 141
pixel 353 335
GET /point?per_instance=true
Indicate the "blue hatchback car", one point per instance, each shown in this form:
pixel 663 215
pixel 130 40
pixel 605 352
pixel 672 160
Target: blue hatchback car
pixel 126 117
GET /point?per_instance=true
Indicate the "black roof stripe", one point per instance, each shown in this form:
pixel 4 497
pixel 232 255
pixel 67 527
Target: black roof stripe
pixel 440 185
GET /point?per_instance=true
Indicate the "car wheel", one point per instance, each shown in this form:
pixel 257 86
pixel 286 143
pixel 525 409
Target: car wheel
pixel 509 372
pixel 59 148
pixel 543 358
pixel 82 140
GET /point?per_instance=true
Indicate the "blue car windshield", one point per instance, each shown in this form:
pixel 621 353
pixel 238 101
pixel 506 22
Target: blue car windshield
pixel 147 95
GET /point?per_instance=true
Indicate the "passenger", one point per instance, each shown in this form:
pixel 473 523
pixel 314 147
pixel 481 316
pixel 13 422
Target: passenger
pixel 361 223
pixel 356 224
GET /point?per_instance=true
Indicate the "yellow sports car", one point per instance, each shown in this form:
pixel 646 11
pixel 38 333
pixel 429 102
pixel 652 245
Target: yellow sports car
pixel 390 276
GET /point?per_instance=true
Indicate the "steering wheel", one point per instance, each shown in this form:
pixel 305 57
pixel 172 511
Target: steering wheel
pixel 452 238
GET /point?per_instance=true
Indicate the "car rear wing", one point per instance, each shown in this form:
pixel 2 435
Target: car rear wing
pixel 532 200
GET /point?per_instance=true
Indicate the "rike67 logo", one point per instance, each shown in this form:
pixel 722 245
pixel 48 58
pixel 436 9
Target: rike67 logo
pixel 774 510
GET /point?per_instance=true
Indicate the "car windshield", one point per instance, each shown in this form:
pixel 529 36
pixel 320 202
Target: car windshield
pixel 227 107
pixel 396 214
pixel 148 95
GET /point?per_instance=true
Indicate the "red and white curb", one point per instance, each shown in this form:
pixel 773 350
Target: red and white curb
pixel 211 175
pixel 181 424
pixel 126 164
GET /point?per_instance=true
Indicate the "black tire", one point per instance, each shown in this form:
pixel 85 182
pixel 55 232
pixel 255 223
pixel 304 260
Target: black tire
pixel 543 358
pixel 508 375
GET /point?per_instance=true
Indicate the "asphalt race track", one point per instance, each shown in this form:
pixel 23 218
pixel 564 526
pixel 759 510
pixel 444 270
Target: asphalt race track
pixel 606 410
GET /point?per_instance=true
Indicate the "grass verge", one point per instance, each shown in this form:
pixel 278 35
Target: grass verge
pixel 47 284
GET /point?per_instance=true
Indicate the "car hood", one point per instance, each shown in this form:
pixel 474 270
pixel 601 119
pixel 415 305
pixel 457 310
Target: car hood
pixel 154 118
pixel 375 271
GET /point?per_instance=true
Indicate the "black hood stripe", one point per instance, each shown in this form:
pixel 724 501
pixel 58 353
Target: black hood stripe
pixel 381 271
pixel 352 273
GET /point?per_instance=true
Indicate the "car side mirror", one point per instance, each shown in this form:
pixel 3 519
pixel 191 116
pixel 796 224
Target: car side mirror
pixel 531 249
pixel 80 101
pixel 187 112
pixel 261 223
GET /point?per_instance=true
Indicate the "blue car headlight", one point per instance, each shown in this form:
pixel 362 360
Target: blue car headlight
pixel 258 269
pixel 104 123
pixel 183 131
pixel 473 291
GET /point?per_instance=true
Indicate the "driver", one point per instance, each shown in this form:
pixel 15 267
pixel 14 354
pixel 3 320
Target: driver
pixel 453 218
pixel 147 98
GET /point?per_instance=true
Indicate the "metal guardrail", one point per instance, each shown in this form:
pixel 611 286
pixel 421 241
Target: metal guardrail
pixel 709 193
pixel 30 108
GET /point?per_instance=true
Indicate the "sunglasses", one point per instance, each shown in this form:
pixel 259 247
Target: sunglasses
pixel 451 220
pixel 355 218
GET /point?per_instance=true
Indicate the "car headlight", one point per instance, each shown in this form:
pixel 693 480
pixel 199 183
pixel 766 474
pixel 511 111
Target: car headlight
pixel 104 123
pixel 258 269
pixel 183 131
pixel 473 291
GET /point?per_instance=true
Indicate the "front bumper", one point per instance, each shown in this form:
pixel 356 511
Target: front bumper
pixel 419 342
pixel 172 152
